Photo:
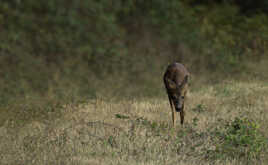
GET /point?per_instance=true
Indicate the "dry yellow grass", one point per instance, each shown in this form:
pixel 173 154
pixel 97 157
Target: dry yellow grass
pixel 137 131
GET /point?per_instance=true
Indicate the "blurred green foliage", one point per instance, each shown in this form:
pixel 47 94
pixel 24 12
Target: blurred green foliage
pixel 63 50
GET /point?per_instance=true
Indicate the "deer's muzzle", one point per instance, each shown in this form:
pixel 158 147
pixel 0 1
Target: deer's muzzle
pixel 178 106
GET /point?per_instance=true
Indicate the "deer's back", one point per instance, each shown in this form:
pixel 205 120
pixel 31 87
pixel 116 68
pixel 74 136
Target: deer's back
pixel 176 72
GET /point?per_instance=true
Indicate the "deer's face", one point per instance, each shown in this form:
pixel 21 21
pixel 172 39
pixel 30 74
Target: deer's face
pixel 177 93
pixel 178 98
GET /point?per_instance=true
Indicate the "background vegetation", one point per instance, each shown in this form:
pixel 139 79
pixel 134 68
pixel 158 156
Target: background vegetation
pixel 57 49
pixel 56 53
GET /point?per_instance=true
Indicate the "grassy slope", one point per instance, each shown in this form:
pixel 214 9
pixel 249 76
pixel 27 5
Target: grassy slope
pixel 138 131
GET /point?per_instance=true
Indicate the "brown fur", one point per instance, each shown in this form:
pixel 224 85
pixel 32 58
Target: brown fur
pixel 176 82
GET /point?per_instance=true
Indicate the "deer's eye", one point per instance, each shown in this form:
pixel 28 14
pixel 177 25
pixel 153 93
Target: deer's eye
pixel 182 97
pixel 174 97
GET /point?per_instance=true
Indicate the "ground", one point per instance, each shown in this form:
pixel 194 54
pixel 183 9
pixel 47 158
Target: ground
pixel 139 130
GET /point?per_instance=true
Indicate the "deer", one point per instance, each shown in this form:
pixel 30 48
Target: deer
pixel 176 83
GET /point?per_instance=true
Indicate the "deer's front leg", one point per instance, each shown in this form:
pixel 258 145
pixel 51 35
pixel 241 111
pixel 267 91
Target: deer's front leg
pixel 173 114
pixel 182 113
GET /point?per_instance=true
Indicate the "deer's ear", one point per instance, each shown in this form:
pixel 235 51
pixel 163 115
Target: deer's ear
pixel 171 84
pixel 185 81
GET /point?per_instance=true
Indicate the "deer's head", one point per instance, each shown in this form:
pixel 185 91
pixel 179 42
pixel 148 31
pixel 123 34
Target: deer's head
pixel 177 93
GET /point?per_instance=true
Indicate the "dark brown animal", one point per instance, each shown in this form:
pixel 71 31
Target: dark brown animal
pixel 176 82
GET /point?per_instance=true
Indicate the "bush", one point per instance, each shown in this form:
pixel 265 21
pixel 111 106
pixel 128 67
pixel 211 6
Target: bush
pixel 240 138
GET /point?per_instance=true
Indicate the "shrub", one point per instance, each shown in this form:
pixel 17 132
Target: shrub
pixel 240 138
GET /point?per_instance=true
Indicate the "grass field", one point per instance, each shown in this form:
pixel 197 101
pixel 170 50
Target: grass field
pixel 226 123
